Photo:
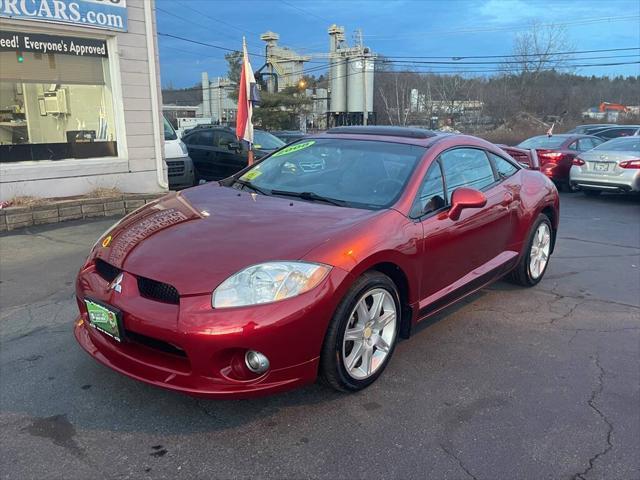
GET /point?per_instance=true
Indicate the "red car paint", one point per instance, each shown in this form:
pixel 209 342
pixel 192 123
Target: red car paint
pixel 197 238
pixel 556 162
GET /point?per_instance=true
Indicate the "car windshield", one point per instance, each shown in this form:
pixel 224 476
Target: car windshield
pixel 169 132
pixel 354 173
pixel 542 141
pixel 626 144
pixel 267 141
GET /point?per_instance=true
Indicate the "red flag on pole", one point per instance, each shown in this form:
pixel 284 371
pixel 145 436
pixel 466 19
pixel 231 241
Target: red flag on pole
pixel 247 97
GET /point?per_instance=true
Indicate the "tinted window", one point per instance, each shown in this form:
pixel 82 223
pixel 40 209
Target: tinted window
pixel 205 137
pixel 504 168
pixel 362 173
pixel 543 141
pixel 466 167
pixel 617 132
pixel 222 139
pixel 431 194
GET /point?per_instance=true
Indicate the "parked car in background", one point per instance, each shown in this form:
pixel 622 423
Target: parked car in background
pixel 179 166
pixel 613 166
pixel 289 136
pixel 556 152
pixel 590 128
pixel 217 153
pixel 619 131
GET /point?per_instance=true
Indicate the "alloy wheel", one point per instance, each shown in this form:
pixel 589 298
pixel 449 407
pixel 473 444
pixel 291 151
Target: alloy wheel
pixel 369 334
pixel 540 247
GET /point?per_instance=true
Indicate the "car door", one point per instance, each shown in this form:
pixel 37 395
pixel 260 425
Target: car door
pixel 228 159
pixel 460 255
pixel 201 152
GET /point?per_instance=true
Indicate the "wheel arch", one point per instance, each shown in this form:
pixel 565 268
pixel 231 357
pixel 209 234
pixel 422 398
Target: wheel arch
pixel 552 215
pixel 401 281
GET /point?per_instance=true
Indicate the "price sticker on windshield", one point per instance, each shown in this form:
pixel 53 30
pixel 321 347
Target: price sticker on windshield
pixel 294 148
pixel 250 175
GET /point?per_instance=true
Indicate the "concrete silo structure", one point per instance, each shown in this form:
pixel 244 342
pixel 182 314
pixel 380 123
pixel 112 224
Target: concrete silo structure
pixel 351 81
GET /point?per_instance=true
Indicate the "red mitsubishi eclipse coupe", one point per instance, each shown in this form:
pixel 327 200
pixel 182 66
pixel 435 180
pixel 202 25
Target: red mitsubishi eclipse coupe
pixel 312 262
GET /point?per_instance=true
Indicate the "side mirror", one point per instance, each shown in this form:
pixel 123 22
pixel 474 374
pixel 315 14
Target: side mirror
pixel 464 197
pixel 234 146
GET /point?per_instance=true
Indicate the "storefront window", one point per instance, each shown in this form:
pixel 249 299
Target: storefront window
pixel 56 100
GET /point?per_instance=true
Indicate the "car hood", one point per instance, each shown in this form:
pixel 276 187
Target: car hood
pixel 197 238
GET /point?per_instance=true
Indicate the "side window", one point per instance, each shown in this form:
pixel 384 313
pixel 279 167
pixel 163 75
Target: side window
pixel 596 141
pixel 573 146
pixel 431 194
pixel 205 137
pixel 504 168
pixel 466 167
pixel 222 139
pixel 191 139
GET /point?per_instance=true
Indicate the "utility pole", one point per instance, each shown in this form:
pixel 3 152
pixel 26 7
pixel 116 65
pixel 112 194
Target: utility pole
pixel 365 114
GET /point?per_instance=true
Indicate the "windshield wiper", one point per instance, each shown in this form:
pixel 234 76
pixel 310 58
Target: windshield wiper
pixel 250 185
pixel 309 196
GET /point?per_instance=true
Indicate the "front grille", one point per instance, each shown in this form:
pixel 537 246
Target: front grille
pixel 175 168
pixel 154 290
pixel 155 344
pixel 106 270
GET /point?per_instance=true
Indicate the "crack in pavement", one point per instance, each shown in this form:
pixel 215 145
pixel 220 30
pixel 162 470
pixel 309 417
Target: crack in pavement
pixel 599 243
pixel 593 330
pixel 458 461
pixel 597 391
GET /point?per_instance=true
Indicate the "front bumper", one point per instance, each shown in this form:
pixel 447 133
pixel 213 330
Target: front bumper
pixel 625 181
pixel 196 350
pixel 180 172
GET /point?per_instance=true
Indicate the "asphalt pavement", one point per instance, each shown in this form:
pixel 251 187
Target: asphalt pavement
pixel 509 384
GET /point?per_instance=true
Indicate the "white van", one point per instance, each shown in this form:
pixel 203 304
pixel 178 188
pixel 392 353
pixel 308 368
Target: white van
pixel 179 164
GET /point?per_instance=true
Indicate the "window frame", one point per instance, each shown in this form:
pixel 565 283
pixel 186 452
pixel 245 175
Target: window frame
pixel 438 160
pixel 34 170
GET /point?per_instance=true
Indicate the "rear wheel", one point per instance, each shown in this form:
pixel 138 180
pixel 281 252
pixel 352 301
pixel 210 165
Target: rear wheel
pixel 592 193
pixel 362 335
pixel 533 263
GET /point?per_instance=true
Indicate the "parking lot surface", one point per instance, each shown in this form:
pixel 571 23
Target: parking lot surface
pixel 511 383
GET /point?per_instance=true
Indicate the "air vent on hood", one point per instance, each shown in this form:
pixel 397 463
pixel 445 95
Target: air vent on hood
pixel 154 290
pixel 106 270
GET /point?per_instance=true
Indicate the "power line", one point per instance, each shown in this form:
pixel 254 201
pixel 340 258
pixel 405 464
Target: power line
pixel 575 52
pixel 306 12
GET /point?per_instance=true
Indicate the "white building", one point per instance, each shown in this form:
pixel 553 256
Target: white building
pixel 79 98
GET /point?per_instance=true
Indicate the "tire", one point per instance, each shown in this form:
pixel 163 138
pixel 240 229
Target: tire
pixel 522 274
pixel 336 351
pixel 592 193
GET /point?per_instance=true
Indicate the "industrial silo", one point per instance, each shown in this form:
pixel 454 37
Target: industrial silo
pixel 338 85
pixel 360 84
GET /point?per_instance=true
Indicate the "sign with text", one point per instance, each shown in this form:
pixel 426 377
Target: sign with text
pixel 107 14
pixel 45 44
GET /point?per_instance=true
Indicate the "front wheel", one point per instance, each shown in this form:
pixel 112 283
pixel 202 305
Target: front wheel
pixel 362 335
pixel 533 263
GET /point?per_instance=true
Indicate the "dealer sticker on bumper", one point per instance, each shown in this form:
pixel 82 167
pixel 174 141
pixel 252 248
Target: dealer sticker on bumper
pixel 104 319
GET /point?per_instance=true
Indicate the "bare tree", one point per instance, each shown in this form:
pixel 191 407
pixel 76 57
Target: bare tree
pixel 542 47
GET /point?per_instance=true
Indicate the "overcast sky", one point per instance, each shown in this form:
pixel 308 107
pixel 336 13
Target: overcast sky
pixel 453 28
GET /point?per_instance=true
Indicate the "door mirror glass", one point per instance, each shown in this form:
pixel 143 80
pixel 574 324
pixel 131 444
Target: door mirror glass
pixel 234 146
pixel 464 197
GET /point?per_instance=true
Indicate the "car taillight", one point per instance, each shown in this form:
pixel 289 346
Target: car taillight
pixel 630 164
pixel 578 161
pixel 549 156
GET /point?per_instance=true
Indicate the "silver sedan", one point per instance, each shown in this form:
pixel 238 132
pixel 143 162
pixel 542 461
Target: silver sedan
pixel 613 166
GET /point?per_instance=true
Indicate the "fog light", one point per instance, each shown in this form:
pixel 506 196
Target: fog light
pixel 256 361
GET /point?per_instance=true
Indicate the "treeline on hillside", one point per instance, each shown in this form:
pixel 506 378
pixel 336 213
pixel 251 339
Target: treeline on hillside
pixel 545 94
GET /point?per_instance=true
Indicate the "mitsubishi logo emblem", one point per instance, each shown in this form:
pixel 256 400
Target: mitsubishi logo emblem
pixel 116 284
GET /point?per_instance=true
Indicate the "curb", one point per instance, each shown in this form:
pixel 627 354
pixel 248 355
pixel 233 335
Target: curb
pixel 12 218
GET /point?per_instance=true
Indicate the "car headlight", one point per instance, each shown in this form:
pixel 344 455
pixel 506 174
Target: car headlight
pixel 183 147
pixel 268 282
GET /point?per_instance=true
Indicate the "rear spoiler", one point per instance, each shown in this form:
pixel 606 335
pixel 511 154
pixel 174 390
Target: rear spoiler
pixel 526 158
